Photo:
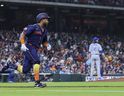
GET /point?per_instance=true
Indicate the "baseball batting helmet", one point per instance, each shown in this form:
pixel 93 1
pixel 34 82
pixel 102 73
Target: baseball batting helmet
pixel 41 16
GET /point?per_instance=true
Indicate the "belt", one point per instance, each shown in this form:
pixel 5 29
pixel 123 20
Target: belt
pixel 33 46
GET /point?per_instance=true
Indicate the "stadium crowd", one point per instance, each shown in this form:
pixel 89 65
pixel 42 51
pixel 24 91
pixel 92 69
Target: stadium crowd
pixel 69 53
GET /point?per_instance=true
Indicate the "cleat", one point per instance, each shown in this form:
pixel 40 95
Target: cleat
pixel 40 85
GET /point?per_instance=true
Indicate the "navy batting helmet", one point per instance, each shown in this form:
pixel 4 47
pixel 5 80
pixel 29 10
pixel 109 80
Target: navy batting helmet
pixel 41 16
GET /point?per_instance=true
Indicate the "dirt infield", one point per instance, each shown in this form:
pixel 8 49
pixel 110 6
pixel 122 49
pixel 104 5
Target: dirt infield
pixel 113 80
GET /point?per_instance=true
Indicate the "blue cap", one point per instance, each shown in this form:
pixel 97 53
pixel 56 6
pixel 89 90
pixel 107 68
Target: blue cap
pixel 41 16
pixel 95 38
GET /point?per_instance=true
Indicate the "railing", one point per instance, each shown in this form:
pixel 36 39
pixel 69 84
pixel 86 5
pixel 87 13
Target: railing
pixel 73 3
pixel 4 77
pixel 90 2
pixel 58 77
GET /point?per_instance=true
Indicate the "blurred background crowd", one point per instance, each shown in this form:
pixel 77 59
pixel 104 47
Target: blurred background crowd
pixel 68 55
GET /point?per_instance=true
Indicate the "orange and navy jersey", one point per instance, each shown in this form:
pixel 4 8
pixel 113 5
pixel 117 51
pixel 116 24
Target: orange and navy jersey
pixel 34 35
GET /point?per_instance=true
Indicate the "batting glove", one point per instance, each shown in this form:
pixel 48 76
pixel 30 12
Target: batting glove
pixel 24 48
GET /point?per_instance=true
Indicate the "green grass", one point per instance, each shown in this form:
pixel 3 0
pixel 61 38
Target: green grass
pixel 64 89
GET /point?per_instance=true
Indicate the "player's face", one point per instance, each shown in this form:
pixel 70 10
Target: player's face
pixel 45 22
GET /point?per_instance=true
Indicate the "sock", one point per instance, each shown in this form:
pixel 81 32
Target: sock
pixel 19 68
pixel 36 70
pixel 37 82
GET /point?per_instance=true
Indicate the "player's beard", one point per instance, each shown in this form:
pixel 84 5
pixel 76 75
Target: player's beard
pixel 45 24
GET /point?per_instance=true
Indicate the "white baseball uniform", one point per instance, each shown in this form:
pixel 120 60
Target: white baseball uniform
pixel 95 49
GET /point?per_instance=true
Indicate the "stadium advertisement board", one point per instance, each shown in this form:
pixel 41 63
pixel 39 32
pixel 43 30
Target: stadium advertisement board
pixel 95 78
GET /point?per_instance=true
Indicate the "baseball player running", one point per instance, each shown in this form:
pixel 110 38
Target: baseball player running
pixel 31 39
